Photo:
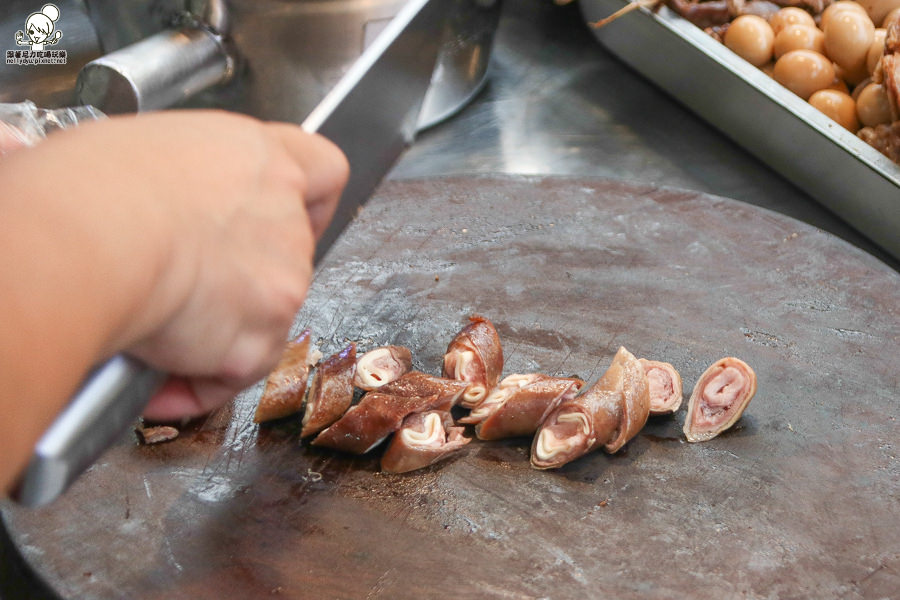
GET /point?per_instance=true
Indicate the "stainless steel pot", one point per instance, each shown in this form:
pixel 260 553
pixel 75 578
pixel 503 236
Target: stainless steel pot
pixel 274 59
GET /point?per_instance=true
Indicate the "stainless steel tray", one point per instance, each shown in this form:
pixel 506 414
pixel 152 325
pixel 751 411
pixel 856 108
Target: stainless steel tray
pixel 835 167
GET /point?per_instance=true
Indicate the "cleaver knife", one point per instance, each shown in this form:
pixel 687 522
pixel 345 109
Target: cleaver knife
pixel 371 115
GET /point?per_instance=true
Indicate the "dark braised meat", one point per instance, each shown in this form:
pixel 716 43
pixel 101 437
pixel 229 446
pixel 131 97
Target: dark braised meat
pixel 424 439
pixel 330 392
pixel 606 415
pixel 370 422
pixel 382 365
pixel 884 138
pixel 519 405
pixel 417 383
pixel 286 384
pixel 475 356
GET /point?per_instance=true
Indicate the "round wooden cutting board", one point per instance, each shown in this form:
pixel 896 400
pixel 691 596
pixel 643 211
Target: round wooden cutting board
pixel 800 499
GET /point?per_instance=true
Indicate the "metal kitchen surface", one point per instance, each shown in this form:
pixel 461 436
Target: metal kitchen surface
pixel 560 102
pixel 799 498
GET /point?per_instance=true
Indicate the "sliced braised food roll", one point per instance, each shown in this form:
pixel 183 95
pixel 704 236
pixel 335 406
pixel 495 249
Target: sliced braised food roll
pixel 606 415
pixel 423 439
pixel 286 385
pixel 665 387
pixel 368 423
pixel 330 392
pixel 519 404
pixel 417 383
pixel 475 356
pixel 719 398
pixel 382 365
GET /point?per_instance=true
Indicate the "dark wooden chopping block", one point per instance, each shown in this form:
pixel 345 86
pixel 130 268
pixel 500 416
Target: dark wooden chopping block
pixel 798 500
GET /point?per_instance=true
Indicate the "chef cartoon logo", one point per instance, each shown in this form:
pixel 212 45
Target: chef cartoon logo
pixel 40 31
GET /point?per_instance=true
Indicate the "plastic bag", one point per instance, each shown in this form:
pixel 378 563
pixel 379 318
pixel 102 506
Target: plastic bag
pixel 24 124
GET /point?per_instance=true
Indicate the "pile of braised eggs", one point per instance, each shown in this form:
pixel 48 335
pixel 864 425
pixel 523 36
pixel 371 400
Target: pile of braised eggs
pixel 829 63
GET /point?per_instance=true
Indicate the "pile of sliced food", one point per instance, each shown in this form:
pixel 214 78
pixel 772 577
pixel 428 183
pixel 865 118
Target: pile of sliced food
pixel 842 57
pixel 423 418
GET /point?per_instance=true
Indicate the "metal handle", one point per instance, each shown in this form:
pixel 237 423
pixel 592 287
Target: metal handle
pixel 156 72
pixel 111 399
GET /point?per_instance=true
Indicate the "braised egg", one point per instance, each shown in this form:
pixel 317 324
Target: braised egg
pixel 873 106
pixel 751 38
pixel 838 106
pixel 804 72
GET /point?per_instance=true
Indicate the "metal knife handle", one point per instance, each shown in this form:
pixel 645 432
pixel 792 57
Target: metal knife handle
pixel 111 398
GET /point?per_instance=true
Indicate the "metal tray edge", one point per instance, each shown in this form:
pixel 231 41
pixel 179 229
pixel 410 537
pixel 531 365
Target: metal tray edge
pixel 842 172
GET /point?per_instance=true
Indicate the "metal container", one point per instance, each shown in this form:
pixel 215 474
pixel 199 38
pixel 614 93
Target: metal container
pixel 834 166
pixel 274 59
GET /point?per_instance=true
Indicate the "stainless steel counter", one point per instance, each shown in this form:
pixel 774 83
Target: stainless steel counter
pixel 558 103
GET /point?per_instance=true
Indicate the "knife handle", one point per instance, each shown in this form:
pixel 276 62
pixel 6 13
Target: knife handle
pixel 111 398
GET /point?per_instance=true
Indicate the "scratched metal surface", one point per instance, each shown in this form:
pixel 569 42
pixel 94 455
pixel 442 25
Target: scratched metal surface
pixel 800 500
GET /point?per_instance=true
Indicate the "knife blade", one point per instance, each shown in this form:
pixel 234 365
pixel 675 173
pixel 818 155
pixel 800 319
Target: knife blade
pixel 371 115
pixel 381 94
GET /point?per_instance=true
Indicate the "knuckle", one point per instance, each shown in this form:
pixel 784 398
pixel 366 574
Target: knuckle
pixel 293 298
pixel 288 295
pixel 245 361
pixel 295 178
pixel 342 171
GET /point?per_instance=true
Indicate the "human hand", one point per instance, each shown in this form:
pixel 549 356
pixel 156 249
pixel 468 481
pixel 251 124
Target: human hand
pixel 203 225
pixel 241 280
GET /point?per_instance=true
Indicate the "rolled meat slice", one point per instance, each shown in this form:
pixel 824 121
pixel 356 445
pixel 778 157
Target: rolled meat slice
pixel 417 383
pixel 330 392
pixel 367 424
pixel 719 398
pixel 665 387
pixel 608 414
pixel 423 439
pixel 476 356
pixel 380 366
pixel 519 405
pixel 286 384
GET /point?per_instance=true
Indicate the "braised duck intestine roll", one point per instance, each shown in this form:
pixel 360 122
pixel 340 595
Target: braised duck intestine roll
pixel 380 366
pixel 607 415
pixel 665 387
pixel 475 356
pixel 286 385
pixel 519 404
pixel 377 416
pixel 719 398
pixel 417 383
pixel 424 439
pixel 330 392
